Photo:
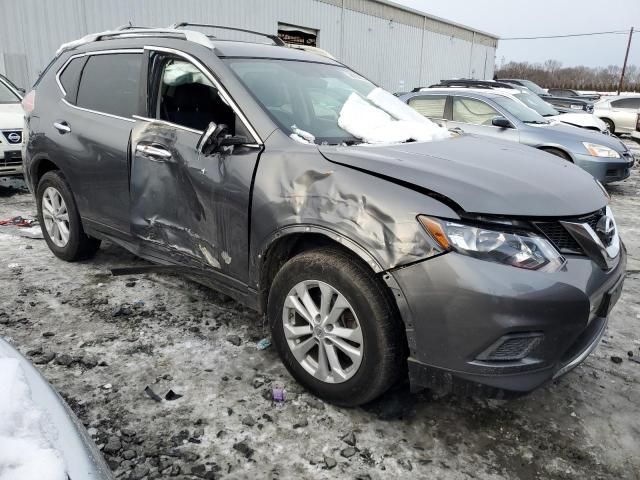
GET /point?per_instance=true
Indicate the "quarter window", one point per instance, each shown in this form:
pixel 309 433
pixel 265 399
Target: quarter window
pixel 70 77
pixel 430 107
pixel 469 110
pixel 110 83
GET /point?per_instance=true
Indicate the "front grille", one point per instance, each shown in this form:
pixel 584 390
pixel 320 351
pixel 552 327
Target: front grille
pixel 11 159
pixel 561 238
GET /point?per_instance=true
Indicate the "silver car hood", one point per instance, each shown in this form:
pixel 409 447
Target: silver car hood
pixel 481 175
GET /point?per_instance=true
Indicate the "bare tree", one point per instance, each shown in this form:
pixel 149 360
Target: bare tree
pixel 551 74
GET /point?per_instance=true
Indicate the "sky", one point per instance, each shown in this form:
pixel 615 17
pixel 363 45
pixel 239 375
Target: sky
pixel 519 18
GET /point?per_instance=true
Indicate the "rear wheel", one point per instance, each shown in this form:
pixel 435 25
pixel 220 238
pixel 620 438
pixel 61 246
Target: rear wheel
pixel 335 327
pixel 610 125
pixel 59 219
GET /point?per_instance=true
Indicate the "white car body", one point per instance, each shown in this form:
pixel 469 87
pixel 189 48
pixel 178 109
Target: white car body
pixel 11 130
pixel 621 110
pixel 584 120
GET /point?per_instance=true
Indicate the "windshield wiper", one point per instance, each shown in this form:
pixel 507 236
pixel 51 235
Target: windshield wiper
pixel 536 122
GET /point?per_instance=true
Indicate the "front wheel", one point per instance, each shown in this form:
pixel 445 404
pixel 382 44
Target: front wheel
pixel 610 126
pixel 335 327
pixel 59 219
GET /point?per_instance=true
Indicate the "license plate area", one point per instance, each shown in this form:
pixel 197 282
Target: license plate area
pixel 611 298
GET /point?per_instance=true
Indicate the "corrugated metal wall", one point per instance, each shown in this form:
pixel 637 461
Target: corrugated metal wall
pixel 395 48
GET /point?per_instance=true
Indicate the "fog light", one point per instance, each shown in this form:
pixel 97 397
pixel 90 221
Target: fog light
pixel 514 346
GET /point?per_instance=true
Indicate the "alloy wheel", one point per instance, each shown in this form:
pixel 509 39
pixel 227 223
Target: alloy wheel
pixel 55 216
pixel 322 331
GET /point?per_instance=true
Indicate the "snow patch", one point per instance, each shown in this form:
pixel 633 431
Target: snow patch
pixel 382 118
pixel 25 451
pixel 306 136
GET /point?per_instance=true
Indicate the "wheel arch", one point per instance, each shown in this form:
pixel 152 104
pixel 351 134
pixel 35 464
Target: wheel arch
pixel 608 120
pixel 39 166
pixel 290 241
pixel 559 148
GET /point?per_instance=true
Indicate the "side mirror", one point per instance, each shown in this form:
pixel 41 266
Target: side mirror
pixel 216 137
pixel 206 137
pixel 501 122
pixel 233 141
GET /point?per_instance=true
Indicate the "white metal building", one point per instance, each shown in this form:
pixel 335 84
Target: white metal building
pixel 396 47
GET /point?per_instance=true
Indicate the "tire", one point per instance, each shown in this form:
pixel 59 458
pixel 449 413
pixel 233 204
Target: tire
pixel 75 245
pixel 610 125
pixel 382 344
pixel 558 153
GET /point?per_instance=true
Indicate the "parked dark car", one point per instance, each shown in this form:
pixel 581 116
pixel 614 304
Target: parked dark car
pixel 562 104
pixel 566 92
pixel 373 240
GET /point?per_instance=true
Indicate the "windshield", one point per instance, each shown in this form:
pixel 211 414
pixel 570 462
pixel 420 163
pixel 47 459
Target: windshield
pixel 535 88
pixel 520 111
pixel 535 102
pixel 330 104
pixel 7 95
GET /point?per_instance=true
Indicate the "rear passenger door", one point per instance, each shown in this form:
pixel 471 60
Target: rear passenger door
pixel 93 128
pixel 626 111
pixel 472 115
pixel 434 107
pixel 191 207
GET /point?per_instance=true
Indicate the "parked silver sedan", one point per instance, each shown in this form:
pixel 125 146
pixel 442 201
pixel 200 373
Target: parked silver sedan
pixel 490 114
pixel 40 433
pixel 619 112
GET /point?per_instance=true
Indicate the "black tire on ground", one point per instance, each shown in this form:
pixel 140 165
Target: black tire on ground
pixel 384 342
pixel 610 125
pixel 558 153
pixel 80 246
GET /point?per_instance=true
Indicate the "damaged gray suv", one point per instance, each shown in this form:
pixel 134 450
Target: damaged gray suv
pixel 376 242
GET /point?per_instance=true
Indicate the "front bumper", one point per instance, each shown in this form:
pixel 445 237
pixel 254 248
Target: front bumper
pixel 456 308
pixel 606 170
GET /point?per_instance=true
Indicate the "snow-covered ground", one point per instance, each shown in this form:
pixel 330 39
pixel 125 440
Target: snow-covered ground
pixel 100 340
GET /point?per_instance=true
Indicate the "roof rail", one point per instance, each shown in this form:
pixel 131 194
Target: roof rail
pixel 471 83
pixel 274 38
pixel 126 31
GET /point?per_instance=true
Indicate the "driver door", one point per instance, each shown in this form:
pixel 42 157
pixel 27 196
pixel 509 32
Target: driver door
pixel 474 116
pixel 191 208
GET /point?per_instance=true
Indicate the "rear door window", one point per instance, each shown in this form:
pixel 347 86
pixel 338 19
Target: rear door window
pixel 475 112
pixel 431 106
pixel 110 83
pixel 633 103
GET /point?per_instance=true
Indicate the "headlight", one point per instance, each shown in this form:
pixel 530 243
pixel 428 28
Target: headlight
pixel 600 150
pixel 519 249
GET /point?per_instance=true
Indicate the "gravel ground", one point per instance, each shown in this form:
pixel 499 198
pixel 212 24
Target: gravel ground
pixel 101 340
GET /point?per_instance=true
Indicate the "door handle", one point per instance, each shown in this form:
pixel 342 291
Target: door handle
pixel 153 152
pixel 62 127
